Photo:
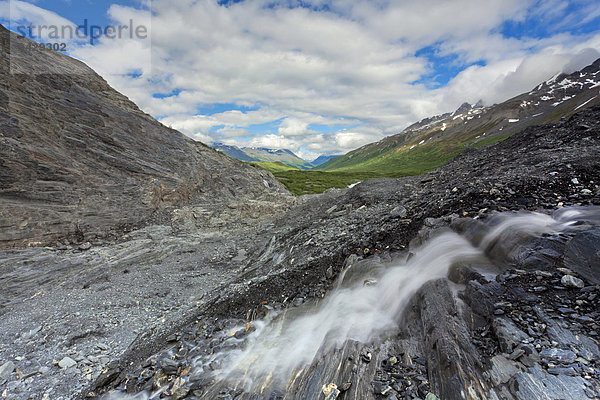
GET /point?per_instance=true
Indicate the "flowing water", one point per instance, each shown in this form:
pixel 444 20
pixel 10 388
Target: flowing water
pixel 365 305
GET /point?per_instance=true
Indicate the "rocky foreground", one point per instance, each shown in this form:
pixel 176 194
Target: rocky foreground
pixel 128 315
pixel 146 270
pixel 522 326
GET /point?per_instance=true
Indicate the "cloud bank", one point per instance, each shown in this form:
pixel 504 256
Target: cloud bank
pixel 327 76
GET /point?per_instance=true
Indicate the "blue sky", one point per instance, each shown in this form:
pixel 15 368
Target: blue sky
pixel 320 76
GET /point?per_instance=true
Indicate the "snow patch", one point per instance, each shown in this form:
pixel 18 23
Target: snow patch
pixel 553 79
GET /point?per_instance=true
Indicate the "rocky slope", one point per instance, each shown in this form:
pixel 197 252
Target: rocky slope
pixel 489 323
pixel 470 125
pixel 79 161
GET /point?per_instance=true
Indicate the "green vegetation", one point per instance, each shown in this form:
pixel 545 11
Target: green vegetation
pixel 491 140
pixel 392 165
pixel 307 182
pixel 404 162
pixel 274 166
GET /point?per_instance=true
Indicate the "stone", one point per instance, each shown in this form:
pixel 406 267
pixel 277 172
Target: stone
pixel 6 369
pixel 381 388
pixel 366 357
pixel 558 355
pixel 563 371
pixel 582 255
pixel 330 391
pixel 85 246
pixel 398 212
pixel 169 366
pixel 67 362
pixel 571 281
pixel 329 272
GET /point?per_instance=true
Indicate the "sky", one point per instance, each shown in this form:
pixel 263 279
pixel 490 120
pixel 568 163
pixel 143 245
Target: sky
pixel 313 76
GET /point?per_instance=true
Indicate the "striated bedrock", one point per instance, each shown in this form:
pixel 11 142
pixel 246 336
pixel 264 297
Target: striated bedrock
pixel 80 161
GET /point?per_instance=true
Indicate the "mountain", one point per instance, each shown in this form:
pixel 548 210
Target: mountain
pixel 323 159
pixel 80 161
pixel 273 155
pixel 264 154
pixel 233 152
pixel 433 141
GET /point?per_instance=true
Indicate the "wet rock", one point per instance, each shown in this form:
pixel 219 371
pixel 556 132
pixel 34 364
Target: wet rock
pixel 535 382
pixel 571 281
pixel 381 388
pixel 582 254
pixel 108 374
pixel 169 366
pixel 558 355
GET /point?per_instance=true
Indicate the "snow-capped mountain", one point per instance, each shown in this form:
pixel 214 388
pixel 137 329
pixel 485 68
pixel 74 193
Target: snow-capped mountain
pixel 474 125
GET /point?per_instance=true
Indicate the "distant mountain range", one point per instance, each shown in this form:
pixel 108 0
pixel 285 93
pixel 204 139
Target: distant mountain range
pixel 263 154
pixel 323 159
pixel 431 142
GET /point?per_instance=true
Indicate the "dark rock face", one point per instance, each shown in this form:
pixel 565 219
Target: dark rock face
pixel 583 257
pixel 451 340
pixel 78 160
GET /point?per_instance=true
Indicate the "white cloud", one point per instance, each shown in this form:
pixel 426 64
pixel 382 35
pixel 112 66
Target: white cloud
pixel 353 66
pixel 293 127
pixel 233 132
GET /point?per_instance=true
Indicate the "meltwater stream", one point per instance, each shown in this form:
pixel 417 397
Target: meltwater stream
pixel 362 307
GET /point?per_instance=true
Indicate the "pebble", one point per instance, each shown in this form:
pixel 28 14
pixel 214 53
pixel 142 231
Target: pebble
pixel 366 357
pixel 85 246
pixel 67 362
pixel 381 388
pixel 571 281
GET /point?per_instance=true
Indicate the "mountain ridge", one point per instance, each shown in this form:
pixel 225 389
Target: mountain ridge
pixel 476 125
pixel 263 154
pixel 79 161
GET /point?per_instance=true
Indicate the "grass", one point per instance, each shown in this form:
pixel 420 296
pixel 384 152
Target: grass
pixel 392 164
pixel 309 182
pixel 491 140
pixel 274 166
